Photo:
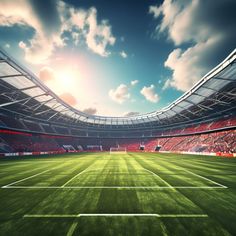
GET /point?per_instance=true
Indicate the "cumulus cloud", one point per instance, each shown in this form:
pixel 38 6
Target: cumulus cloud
pixel 131 113
pixel 90 110
pixel 120 94
pixel 134 82
pixel 46 74
pixel 149 93
pixel 208 27
pixel 50 20
pixel 98 36
pixel 68 98
pixel 123 54
pixel 167 84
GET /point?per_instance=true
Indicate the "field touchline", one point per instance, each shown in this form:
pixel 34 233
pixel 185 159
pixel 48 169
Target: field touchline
pixel 158 177
pixel 30 177
pixel 21 180
pixel 202 177
pixel 115 215
pixel 73 178
pixel 114 187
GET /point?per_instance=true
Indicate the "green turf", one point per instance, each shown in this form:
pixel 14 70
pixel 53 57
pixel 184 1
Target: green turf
pixel 187 195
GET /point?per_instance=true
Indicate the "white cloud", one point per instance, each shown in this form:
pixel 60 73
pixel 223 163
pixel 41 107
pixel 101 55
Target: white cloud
pixel 167 84
pixel 187 66
pixel 134 82
pixel 123 54
pixel 48 36
pixel 120 94
pixel 46 74
pixel 68 98
pixel 21 13
pixel 131 113
pixel 195 22
pixel 98 36
pixel 7 45
pixel 90 110
pixel 149 93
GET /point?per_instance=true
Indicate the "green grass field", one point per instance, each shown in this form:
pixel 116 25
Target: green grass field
pixel 130 194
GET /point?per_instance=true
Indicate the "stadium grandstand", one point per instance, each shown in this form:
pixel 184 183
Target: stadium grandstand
pixel 34 120
pixel 117 118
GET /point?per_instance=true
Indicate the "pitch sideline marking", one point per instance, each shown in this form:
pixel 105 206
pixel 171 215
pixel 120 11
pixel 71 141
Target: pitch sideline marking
pixel 32 176
pixel 116 215
pixel 114 187
pixel 21 180
pixel 140 169
pixel 87 170
pixel 158 177
pixel 73 227
pixel 73 178
pixel 221 185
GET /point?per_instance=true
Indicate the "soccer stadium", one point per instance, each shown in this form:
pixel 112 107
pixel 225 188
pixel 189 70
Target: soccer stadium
pixel 67 171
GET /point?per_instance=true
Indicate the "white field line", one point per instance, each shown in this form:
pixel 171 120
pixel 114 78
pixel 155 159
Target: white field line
pixel 86 170
pixel 219 186
pixel 113 187
pixel 73 178
pixel 202 177
pixel 27 162
pixel 73 227
pixel 30 177
pixel 210 162
pixel 117 215
pixel 158 177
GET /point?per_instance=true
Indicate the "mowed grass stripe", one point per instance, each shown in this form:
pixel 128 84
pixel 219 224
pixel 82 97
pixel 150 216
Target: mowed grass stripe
pixel 60 167
pixel 181 168
pixel 115 215
pixel 215 208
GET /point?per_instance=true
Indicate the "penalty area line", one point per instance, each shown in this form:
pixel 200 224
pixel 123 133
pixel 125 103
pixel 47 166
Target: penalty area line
pixel 21 180
pixel 169 186
pixel 112 187
pixel 117 215
pixel 73 178
pixel 202 177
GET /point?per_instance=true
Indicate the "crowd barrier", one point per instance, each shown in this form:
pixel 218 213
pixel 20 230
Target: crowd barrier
pixel 204 153
pixel 62 152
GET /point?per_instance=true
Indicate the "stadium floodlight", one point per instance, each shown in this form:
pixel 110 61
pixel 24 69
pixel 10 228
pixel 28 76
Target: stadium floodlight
pixel 118 150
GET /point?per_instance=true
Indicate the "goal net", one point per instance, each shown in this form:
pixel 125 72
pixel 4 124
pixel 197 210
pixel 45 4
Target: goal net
pixel 118 150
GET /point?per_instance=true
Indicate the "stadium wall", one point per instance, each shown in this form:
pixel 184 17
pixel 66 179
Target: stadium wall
pixel 20 143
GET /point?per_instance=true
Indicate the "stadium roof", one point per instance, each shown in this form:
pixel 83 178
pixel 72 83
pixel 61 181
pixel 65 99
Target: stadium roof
pixel 22 93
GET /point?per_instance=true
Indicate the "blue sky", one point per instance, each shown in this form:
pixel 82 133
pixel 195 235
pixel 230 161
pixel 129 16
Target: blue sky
pixel 118 57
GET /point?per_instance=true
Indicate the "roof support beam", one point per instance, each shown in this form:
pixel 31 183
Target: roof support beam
pixel 50 109
pixel 227 79
pixel 203 86
pixel 43 103
pixel 18 101
pixel 33 98
pixel 18 90
pixel 212 99
pixel 65 109
pixel 8 76
pixel 198 105
pixel 14 102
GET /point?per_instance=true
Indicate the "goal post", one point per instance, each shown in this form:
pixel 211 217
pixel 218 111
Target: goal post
pixel 118 150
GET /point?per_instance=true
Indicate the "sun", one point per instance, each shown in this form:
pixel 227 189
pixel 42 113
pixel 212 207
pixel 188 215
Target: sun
pixel 68 78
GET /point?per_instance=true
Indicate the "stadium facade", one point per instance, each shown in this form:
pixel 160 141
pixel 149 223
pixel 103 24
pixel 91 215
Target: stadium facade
pixel 33 119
